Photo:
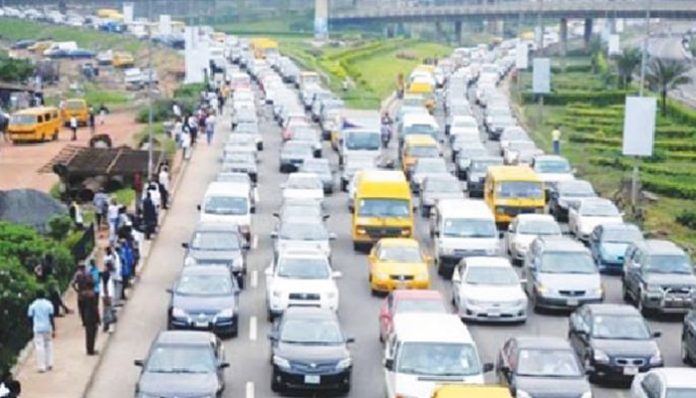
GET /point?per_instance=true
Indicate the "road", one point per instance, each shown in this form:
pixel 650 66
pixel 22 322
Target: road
pixel 249 373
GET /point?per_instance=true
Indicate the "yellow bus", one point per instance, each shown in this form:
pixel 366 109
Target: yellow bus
pixel 34 124
pixel 382 208
pixel 513 190
pixel 75 107
pixel 263 47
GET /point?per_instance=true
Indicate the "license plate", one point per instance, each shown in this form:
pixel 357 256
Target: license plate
pixel 494 314
pixel 201 324
pixel 312 379
pixel 401 285
pixel 630 371
pixel 573 302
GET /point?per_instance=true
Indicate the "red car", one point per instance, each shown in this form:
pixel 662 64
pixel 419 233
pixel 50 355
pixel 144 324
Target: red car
pixel 402 301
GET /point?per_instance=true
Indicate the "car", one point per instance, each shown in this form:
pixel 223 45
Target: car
pixel 586 214
pixel 688 338
pixel 487 289
pixel 456 110
pixel 498 123
pixel 397 263
pixel 182 363
pixel 220 244
pixel 240 143
pixel 300 277
pixel 322 168
pixel 665 383
pixel 658 277
pixel 301 232
pixel 298 208
pixel 462 162
pixel 310 135
pixel 307 186
pixel 512 133
pixel 462 142
pixel 551 169
pixel 407 301
pixel 559 273
pixel 608 244
pixel 520 152
pixel 309 351
pixel 251 130
pixel 427 167
pixel 437 187
pixel 241 162
pixel 244 114
pixel 533 366
pixel 293 154
pixel 565 193
pixel 494 110
pixel 524 229
pixel 352 165
pixel 204 298
pixel 476 173
pixel 613 341
pixel 464 125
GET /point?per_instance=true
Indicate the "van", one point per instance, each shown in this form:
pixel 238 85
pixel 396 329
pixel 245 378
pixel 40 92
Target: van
pixel 76 107
pixel 464 391
pixel 122 59
pixel 34 124
pixel 230 203
pixel 513 190
pixel 462 228
pixel 355 119
pixel 418 123
pixel 382 208
pixel 426 89
pixel 416 147
pixel 427 349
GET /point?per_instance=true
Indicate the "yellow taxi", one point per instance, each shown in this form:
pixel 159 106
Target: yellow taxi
pixel 398 263
pixel 417 146
pixel 471 391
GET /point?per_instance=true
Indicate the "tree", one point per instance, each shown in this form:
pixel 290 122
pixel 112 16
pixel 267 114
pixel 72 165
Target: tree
pixel 666 75
pixel 626 64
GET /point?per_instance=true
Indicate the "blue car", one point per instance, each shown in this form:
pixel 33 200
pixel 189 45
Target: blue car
pixel 608 244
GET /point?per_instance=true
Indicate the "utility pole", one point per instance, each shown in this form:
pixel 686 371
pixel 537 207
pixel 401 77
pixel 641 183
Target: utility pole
pixel 149 92
pixel 540 25
pixel 644 58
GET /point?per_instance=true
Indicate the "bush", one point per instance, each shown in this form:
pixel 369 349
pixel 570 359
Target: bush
pixel 562 98
pixel 162 109
pixel 59 227
pixel 687 218
pixel 189 90
pixel 669 187
pixel 681 113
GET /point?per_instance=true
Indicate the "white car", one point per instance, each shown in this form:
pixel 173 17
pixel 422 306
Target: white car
pixel 665 383
pixel 304 186
pixel 524 229
pixel 302 233
pixel 512 133
pixel 552 168
pixel 488 289
pixel 300 278
pixel 586 214
pixel 466 125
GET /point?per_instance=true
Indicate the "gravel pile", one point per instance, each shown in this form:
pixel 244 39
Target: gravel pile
pixel 29 207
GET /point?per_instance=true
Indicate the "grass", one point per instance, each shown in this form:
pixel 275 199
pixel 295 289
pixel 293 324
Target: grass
pixel 124 196
pixel 168 145
pixel 113 99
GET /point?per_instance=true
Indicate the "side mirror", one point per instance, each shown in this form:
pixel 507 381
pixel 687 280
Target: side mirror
pixel 332 236
pixel 253 209
pixel 326 216
pixel 388 363
pixel 510 228
pixel 139 363
pixel 487 367
pixel 246 246
pixel 224 365
pixel 350 340
pixel 274 234
pixel 198 207
pixel 185 245
pixel 337 274
pixel 456 278
pixel 272 336
pixel 504 369
pixel 276 214
pixel 436 234
pixel 169 290
pixel 657 334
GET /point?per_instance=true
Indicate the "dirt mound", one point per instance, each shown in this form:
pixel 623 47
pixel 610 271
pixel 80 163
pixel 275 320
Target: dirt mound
pixel 29 207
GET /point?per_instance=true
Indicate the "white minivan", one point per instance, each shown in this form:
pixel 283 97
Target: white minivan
pixel 462 228
pixel 426 350
pixel 230 203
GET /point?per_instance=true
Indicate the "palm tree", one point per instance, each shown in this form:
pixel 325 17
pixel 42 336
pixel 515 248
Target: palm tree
pixel 626 64
pixel 666 75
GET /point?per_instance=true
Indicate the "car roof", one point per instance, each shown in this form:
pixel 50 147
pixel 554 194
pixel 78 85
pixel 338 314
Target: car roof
pixel 419 139
pixel 442 328
pixel 391 242
pixel 596 200
pixel 550 157
pixel 513 173
pixel 302 175
pixel 302 253
pixel 535 217
pixel 612 309
pixel 677 377
pixel 204 270
pixel 474 208
pixel 211 226
pixel 228 188
pixel 542 342
pixel 561 243
pixel 660 246
pixel 187 337
pixel 619 226
pixel 483 261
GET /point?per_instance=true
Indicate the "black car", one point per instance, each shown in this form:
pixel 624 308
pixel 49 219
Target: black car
pixel 218 244
pixel 182 364
pixel 613 341
pixel 292 155
pixel 310 351
pixel 565 193
pixel 205 298
pixel 463 159
pixel 539 366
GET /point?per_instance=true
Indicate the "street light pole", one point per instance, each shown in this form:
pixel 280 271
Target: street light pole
pixel 644 58
pixel 149 92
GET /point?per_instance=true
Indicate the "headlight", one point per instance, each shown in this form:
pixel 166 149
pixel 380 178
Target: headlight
pixel 422 277
pixel 179 313
pixel 522 394
pixel 226 313
pixel 381 275
pixel 656 359
pixel 600 356
pixel 189 261
pixel 541 288
pixel 474 302
pixel 520 302
pixel 344 363
pixel 361 231
pixel 406 231
pixel 653 289
pixel 281 362
pixel 587 395
pixel 331 295
pixel 599 291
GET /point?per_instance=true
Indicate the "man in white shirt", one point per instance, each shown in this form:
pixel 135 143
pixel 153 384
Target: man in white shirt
pixel 41 314
pixel 73 127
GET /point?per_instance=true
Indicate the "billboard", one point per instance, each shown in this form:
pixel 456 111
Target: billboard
pixel 541 76
pixel 639 126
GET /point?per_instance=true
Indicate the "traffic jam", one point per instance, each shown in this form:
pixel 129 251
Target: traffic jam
pixel 426 249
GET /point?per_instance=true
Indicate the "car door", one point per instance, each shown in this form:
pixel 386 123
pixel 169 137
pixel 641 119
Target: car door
pixel 373 257
pixel 629 269
pixel 530 268
pixel 573 217
pixel 689 332
pixel 510 236
pixel 579 332
pixel 650 387
pixel 503 365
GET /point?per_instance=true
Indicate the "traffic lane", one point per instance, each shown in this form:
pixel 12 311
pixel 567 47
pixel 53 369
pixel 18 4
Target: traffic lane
pixel 146 311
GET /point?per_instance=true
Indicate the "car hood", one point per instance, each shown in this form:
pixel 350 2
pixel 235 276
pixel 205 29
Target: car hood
pixel 322 245
pixel 524 240
pixel 450 242
pixel 178 384
pixel 304 285
pixel 424 386
pixel 303 193
pixel 203 304
pixel 309 352
pixel 501 294
pixel 432 197
pixel 669 279
pixel 401 268
pixel 570 281
pixel 639 348
pixel 540 385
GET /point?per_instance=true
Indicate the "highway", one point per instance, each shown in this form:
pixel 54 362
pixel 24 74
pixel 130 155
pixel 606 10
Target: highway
pixel 249 373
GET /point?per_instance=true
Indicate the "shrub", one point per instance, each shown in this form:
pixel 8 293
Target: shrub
pixel 59 227
pixel 687 218
pixel 669 187
pixel 189 90
pixel 595 98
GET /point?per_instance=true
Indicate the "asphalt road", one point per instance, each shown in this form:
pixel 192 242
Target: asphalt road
pixel 249 373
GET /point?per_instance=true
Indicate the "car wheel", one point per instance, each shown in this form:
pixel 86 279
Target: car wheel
pixel 259 146
pixel 344 390
pixel 240 281
pixel 535 306
pixel 275 385
pixel 424 212
pixel 625 293
pixel 641 307
pixel 591 376
pixel 344 186
pixel 269 315
pixel 684 353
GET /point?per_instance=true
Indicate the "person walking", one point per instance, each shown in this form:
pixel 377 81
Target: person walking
pixel 185 145
pixel 79 283
pixel 94 272
pixel 112 214
pixel 73 127
pixel 209 128
pixel 91 121
pixel 163 179
pixel 40 312
pixel 101 207
pixel 556 140
pixel 193 128
pixel 76 214
pixel 103 110
pixel 92 320
pixel 112 262
pixel 149 216
pixel 107 296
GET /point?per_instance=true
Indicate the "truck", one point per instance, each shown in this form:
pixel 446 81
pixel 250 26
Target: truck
pixel 358 133
pixel 264 47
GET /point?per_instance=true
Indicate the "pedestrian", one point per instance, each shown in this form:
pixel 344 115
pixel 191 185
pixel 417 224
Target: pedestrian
pixel 112 214
pixel 176 110
pixel 186 145
pixel 76 214
pixel 193 128
pixel 103 110
pixel 73 127
pixel 178 129
pixel 221 102
pixel 101 207
pixel 149 216
pixel 92 320
pixel 125 254
pixel 556 140
pixel 9 387
pixel 43 325
pixel 164 185
pixel 91 121
pixel 107 296
pixel 112 261
pixel 79 283
pixel 94 272
pixel 214 103
pixel 209 128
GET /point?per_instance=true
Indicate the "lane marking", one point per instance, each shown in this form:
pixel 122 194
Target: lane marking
pixel 255 242
pixel 250 389
pixel 254 279
pixel 253 328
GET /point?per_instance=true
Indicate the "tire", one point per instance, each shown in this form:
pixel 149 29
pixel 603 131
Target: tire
pixel 259 146
pixel 275 386
pixel 646 312
pixel 344 186
pixel 684 353
pixel 626 295
pixel 425 212
pixel 592 377
pixel 241 281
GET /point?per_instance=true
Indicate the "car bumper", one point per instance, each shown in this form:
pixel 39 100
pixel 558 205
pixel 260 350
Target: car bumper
pixel 667 304
pixel 387 285
pixel 616 372
pixel 610 267
pixel 493 314
pixel 557 302
pixel 292 379
pixel 218 326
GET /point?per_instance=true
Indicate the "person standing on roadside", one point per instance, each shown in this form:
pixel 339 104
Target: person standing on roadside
pixel 112 214
pixel 91 121
pixel 112 262
pixel 79 284
pixel 107 296
pixel 149 216
pixel 209 128
pixel 92 321
pixel 556 140
pixel 102 114
pixel 186 145
pixel 193 128
pixel 101 207
pixel 163 179
pixel 73 127
pixel 94 272
pixel 43 325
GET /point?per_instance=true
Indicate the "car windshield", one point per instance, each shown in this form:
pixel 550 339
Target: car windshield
pixel 420 305
pixel 246 128
pixel 308 212
pixel 576 189
pixel 599 209
pixel 74 105
pixel 482 165
pixel 669 264
pixel 304 183
pixel 552 166
pixel 412 101
pixel 215 241
pixel 19 120
pixel 304 268
pixel 442 185
pixel 548 363
pixel 362 140
pixel 438 359
pixel 519 189
pixel 514 134
pixel 311 331
pixel 305 135
pixel 383 208
pixel 619 327
pixel 297 149
pixel 316 167
pixel 465 122
pixel 227 205
pixel 423 151
pixel 204 285
pixel 469 228
pixel 494 276
pixel 426 129
pixel 622 235
pixel 680 393
pixel 431 167
pixel 181 359
pixel 571 262
pixel 303 231
pixel 400 254
pixel 539 227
